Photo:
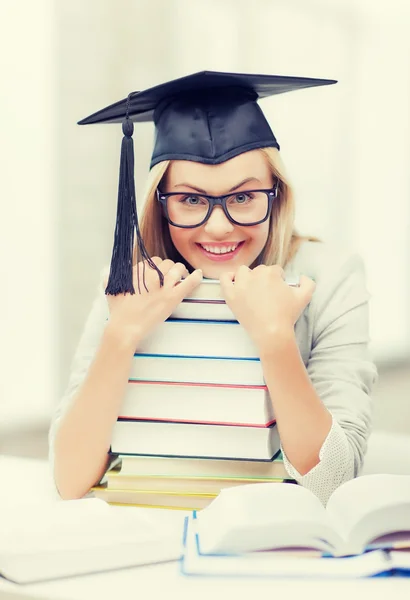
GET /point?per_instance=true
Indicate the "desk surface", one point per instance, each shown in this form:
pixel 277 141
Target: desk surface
pixel 18 475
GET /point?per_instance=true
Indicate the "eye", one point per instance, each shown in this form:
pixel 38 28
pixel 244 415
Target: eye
pixel 192 200
pixel 242 198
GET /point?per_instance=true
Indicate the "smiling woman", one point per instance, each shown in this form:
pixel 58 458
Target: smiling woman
pixel 219 205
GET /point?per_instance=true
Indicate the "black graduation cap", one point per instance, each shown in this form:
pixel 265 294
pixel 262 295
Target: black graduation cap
pixel 206 117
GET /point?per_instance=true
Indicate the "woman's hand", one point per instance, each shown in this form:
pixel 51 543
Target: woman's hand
pixel 136 315
pixel 264 303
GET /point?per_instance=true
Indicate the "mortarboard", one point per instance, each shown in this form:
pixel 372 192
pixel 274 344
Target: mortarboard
pixel 206 117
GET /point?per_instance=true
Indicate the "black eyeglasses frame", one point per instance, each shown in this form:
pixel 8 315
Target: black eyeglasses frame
pixel 213 201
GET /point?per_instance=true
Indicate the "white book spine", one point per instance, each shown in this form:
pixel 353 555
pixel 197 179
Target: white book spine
pixel 198 404
pixel 196 370
pixel 208 441
pixel 207 311
pixel 200 338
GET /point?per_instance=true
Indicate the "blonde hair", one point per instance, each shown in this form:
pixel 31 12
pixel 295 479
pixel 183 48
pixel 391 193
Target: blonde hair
pixel 281 244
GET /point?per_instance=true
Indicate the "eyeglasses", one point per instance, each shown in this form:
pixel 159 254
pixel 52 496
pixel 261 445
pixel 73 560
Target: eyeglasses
pixel 247 208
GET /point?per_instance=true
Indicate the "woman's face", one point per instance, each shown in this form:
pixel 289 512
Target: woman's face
pixel 248 171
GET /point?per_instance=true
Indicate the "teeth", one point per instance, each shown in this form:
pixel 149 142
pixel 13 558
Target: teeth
pixel 219 250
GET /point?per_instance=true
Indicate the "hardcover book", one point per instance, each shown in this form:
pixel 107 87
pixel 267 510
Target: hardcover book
pixel 147 466
pixel 198 403
pixel 197 369
pixel 182 439
pixel 199 338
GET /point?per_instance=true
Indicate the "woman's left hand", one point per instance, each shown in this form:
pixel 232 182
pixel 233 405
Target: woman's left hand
pixel 263 303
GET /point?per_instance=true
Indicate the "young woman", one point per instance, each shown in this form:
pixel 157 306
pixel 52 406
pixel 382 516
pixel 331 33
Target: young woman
pixel 229 217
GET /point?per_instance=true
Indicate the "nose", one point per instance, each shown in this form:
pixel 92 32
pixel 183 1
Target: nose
pixel 218 225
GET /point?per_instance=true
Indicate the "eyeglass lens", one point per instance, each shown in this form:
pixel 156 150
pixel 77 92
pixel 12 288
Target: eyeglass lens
pixel 243 207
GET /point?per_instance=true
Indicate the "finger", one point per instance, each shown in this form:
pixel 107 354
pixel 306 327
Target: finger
pixel 145 269
pixel 278 271
pixel 185 287
pixel 306 287
pixel 155 259
pixel 169 264
pixel 174 275
pixel 146 278
pixel 145 264
pixel 227 284
pixel 163 265
pixel 242 275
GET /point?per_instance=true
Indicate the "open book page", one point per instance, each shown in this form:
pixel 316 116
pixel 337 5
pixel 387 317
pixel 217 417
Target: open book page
pixel 369 507
pixel 401 560
pixel 284 563
pixel 75 537
pixel 77 525
pixel 264 516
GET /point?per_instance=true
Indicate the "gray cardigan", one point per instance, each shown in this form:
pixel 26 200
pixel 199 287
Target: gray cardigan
pixel 332 334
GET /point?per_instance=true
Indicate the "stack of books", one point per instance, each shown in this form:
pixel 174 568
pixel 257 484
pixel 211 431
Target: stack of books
pixel 197 416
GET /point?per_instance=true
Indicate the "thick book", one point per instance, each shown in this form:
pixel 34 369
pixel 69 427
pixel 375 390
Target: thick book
pixel 154 498
pixel 198 403
pixel 163 466
pixel 367 513
pixel 291 562
pixel 196 485
pixel 197 369
pixel 198 441
pixel 199 338
pixel 206 302
pixel 58 539
pixel 210 289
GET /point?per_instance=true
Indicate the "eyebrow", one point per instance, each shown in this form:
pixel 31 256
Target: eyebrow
pixel 235 187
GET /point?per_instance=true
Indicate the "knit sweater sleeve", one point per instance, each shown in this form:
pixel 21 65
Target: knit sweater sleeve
pixel 343 375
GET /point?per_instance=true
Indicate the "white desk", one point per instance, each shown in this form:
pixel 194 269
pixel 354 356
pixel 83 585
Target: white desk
pixel 30 480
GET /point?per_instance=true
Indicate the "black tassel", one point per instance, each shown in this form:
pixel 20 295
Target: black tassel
pixel 120 280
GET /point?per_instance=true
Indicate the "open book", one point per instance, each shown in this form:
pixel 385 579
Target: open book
pixel 369 512
pixel 74 537
pixel 290 562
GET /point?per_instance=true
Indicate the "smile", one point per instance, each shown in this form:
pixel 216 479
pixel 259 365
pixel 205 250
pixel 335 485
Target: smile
pixel 225 252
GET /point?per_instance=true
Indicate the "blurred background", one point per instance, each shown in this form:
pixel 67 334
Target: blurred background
pixel 346 148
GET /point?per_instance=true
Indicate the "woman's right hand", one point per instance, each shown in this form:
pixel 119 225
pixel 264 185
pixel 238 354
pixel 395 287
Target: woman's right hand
pixel 136 315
